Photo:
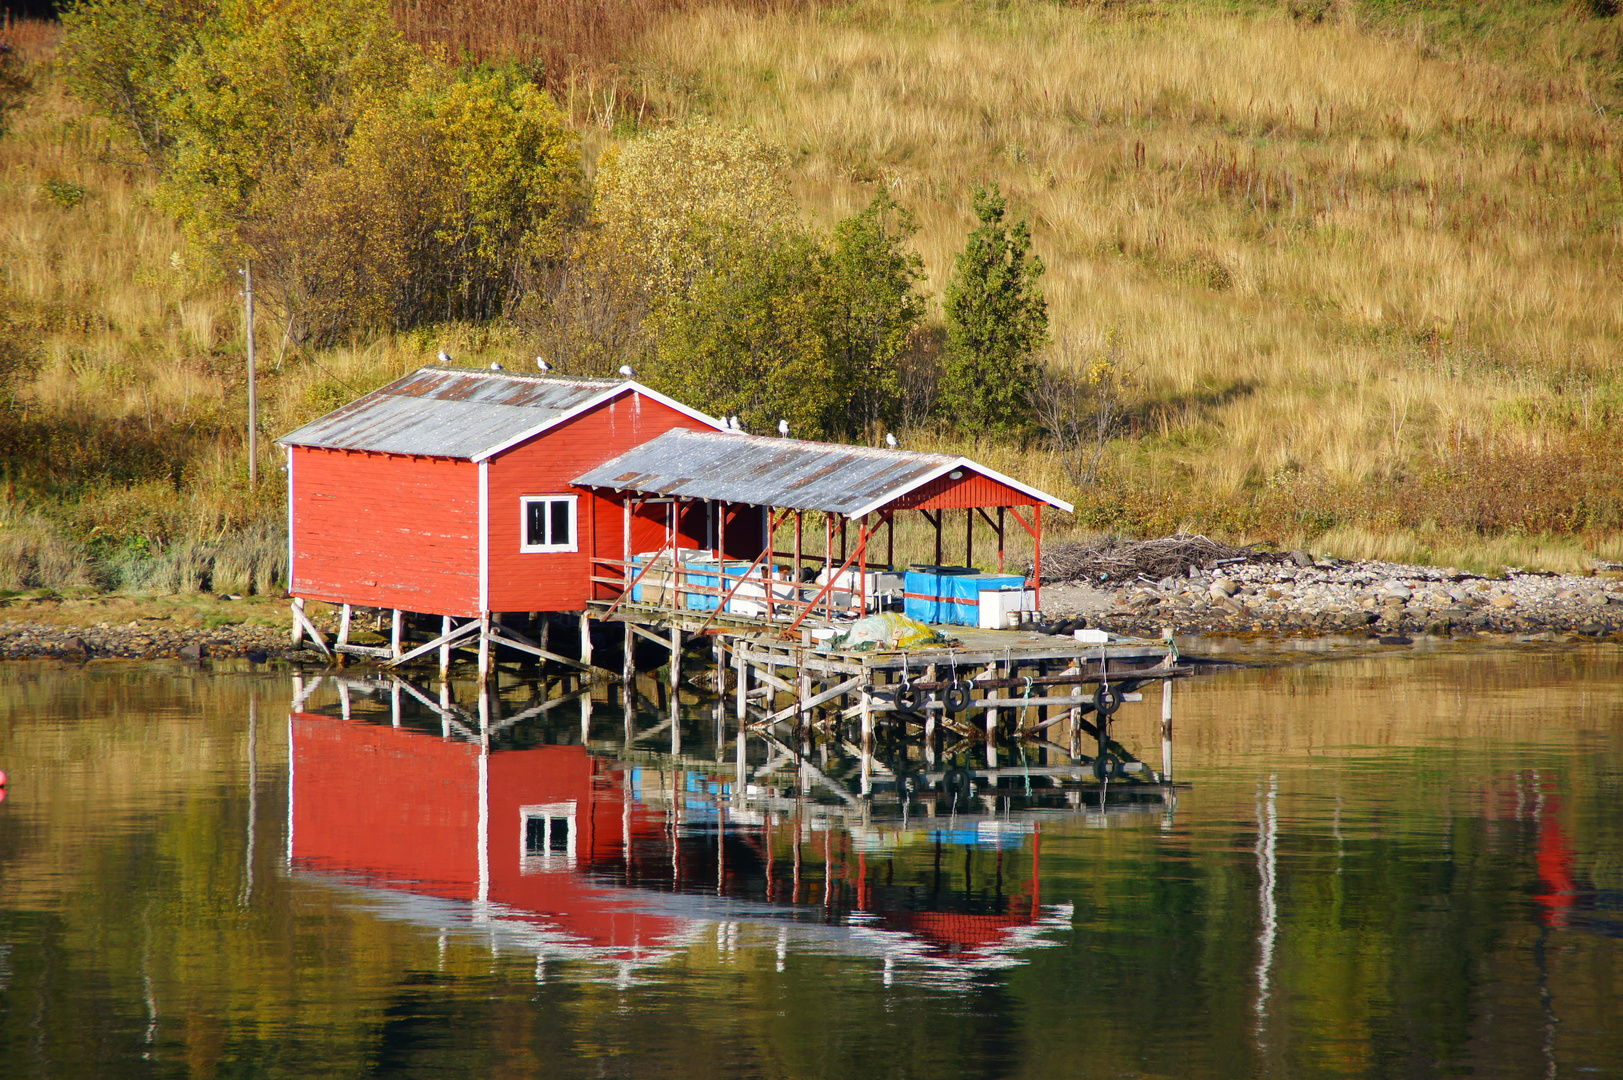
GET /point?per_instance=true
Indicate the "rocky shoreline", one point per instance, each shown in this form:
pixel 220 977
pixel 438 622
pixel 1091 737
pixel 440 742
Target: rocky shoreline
pixel 1293 598
pixel 1301 597
pixel 27 640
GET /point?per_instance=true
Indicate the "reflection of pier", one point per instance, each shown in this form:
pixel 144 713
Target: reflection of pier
pixel 457 819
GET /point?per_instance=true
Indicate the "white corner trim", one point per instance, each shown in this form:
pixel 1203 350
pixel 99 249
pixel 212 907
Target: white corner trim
pixel 290 521
pixel 484 536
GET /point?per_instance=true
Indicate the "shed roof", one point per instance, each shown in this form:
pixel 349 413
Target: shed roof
pixel 847 480
pixel 464 413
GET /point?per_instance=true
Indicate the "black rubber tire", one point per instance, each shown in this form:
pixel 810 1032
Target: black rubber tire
pixel 907 698
pixel 960 783
pixel 1106 699
pixel 956 699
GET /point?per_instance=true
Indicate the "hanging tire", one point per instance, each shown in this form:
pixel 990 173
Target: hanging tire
pixel 958 784
pixel 1106 699
pixel 956 699
pixel 907 698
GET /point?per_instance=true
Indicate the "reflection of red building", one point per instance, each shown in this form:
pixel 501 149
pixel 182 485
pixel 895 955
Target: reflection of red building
pixel 561 841
pixel 441 817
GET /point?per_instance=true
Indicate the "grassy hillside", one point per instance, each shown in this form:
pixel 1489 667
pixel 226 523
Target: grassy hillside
pixel 1366 275
pixel 1361 263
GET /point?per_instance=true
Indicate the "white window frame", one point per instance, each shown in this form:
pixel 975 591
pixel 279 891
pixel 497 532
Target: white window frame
pixel 524 504
pixel 529 862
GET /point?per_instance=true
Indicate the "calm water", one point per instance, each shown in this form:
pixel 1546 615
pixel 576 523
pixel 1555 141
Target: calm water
pixel 1391 865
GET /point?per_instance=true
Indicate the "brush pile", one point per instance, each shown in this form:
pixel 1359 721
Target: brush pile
pixel 1111 560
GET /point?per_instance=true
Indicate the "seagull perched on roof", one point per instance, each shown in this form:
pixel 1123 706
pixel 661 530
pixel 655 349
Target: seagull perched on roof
pixel 783 428
pixel 445 357
pixel 494 366
pixel 732 424
pixel 890 440
pixel 625 369
pixel 542 365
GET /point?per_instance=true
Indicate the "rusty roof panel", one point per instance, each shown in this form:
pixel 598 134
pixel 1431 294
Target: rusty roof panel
pixel 448 412
pixel 765 471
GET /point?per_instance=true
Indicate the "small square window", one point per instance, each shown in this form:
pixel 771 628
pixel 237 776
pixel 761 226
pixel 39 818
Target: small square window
pixel 547 523
pixel 548 836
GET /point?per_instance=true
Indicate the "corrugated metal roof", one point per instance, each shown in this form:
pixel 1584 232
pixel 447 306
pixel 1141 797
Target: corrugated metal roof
pixel 800 475
pixel 450 412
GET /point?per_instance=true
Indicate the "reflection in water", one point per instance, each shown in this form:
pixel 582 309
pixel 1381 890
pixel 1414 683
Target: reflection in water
pixel 575 856
pixel 1385 867
pixel 1267 834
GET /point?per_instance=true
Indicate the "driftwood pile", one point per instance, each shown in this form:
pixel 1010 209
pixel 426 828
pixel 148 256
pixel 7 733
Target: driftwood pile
pixel 1112 560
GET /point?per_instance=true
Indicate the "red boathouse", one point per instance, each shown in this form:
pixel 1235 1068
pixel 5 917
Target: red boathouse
pixel 466 494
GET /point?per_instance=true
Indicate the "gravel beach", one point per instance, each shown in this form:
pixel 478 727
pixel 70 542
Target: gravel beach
pixel 1308 598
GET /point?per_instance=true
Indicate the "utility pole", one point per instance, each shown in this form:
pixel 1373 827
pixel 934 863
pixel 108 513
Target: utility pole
pixel 253 397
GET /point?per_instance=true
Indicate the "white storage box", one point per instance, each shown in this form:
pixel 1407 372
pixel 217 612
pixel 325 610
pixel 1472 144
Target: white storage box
pixel 995 605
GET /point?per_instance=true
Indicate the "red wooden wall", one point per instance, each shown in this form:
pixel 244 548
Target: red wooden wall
pixel 558 581
pixel 383 530
pixel 388 804
pixel 400 808
pixel 971 489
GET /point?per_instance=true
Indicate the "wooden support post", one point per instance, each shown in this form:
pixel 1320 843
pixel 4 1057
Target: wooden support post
pixel 1166 731
pixel 394 634
pixel 862 568
pixel 543 638
pixel 969 537
pixel 1075 716
pixel 804 687
pixel 394 703
pixel 1000 539
pixel 1037 561
pixel 298 621
pixel 719 649
pixel 828 565
pixel 890 539
pixel 445 650
pixel 798 536
pixel 936 521
pixel 865 702
pixel 991 724
pixel 586 640
pixel 676 663
pixel 343 625
pixel 930 719
pixel 484 648
pixel 739 776
pixel 741 663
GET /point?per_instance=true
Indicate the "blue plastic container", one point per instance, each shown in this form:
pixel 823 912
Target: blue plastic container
pixel 709 573
pixel 961 595
pixel 923 589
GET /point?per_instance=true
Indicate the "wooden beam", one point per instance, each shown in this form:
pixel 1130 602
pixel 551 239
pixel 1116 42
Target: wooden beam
pixel 443 642
pixel 506 635
pixel 817 699
pixel 309 627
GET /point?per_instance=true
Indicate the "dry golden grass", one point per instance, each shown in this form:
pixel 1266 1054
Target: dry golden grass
pixel 1330 252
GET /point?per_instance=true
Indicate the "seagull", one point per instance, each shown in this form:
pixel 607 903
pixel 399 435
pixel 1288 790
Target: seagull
pixel 445 357
pixel 890 440
pixel 542 364
pixel 732 424
pixel 783 428
pixel 494 366
pixel 625 369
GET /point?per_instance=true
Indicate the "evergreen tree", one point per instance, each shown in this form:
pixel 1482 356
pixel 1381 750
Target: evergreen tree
pixel 997 321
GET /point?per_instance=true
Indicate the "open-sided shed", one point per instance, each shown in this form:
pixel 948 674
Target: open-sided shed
pixel 859 486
